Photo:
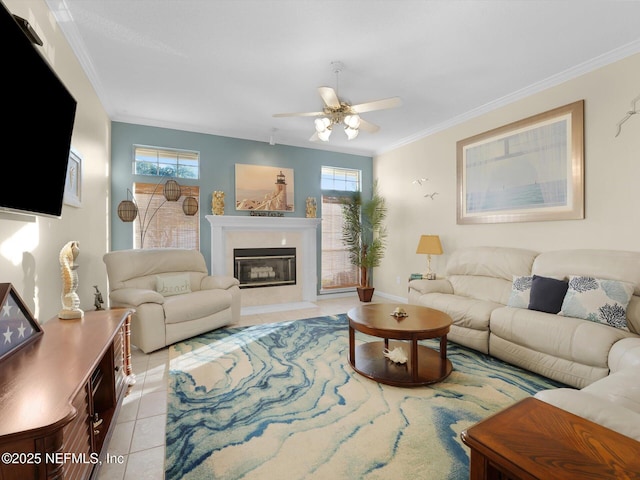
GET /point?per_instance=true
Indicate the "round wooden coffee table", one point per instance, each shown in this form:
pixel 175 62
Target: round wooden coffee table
pixel 424 365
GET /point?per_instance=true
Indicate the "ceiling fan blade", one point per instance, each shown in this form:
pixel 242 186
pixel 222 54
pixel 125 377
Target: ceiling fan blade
pixel 368 126
pixel 299 114
pixel 329 97
pixel 377 105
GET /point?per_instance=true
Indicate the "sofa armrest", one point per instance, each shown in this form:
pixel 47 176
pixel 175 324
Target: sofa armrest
pixel 594 408
pixel 624 353
pixel 134 297
pixel 223 282
pixel 431 286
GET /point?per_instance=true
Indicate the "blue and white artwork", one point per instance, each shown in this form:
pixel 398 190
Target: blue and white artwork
pixel 530 170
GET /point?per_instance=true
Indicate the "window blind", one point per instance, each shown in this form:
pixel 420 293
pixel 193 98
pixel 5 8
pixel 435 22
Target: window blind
pixel 164 223
pixel 337 271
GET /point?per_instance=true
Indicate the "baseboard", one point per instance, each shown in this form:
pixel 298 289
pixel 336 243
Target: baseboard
pixel 351 293
pixel 283 307
pixel 279 307
pixel 388 296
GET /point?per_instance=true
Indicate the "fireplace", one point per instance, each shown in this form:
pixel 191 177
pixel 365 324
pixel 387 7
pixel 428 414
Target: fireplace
pixel 264 267
pixel 230 232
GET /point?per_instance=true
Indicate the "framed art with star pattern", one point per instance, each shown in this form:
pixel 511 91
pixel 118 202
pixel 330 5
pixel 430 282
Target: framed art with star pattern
pixel 18 328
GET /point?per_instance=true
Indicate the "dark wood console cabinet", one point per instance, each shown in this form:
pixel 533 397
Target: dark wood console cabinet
pixel 59 395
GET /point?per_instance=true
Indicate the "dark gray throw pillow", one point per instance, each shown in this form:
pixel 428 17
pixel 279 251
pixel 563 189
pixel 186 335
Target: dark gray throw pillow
pixel 547 294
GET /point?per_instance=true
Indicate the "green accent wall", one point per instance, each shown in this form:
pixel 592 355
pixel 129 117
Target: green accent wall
pixel 218 157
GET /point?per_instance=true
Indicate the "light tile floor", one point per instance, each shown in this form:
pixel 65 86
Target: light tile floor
pixel 136 450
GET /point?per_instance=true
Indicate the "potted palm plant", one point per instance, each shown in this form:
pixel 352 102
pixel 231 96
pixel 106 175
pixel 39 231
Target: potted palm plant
pixel 364 234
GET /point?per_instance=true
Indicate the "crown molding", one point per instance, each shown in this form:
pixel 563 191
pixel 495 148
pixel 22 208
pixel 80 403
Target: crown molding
pixel 569 74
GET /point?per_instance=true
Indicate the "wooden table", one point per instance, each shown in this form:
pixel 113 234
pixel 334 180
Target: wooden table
pixel 535 440
pixel 424 365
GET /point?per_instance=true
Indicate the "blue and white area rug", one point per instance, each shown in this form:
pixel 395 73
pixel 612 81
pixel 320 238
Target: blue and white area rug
pixel 280 401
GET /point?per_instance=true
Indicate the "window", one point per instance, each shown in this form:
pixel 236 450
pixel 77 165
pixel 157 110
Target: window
pixel 340 179
pixel 164 223
pixel 337 272
pixel 164 162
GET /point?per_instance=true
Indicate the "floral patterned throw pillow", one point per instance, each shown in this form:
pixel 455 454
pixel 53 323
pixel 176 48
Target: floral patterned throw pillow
pixel 520 292
pixel 602 301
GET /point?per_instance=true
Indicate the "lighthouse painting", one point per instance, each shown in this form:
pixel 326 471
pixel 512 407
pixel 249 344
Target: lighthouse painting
pixel 261 187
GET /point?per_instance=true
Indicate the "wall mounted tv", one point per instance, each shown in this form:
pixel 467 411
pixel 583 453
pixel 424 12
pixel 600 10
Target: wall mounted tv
pixel 38 113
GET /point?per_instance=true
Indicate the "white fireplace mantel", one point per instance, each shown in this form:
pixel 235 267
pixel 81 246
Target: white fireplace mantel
pixel 250 222
pixel 221 225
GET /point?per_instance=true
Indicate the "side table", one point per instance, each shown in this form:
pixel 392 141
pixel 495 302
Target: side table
pixel 535 440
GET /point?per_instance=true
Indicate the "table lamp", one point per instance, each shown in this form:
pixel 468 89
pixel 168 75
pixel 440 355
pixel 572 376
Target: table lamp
pixel 430 245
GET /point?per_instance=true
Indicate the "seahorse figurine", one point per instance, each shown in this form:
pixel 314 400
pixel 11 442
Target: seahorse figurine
pixel 70 300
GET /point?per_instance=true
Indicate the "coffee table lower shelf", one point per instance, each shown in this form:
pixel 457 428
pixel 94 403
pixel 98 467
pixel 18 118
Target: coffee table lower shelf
pixel 371 362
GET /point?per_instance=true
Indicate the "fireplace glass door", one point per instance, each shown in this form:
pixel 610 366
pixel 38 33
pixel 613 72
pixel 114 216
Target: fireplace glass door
pixel 264 267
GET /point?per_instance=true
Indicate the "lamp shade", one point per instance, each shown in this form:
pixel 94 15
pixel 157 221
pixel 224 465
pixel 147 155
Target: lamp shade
pixel 351 132
pixel 352 121
pixel 171 190
pixel 322 124
pixel 127 211
pixel 324 135
pixel 190 206
pixel 429 244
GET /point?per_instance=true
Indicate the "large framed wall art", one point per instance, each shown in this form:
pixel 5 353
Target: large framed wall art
pixel 530 170
pixel 262 187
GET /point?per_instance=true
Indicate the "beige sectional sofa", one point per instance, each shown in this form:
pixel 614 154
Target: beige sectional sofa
pixel 478 281
pixel 613 401
pixel 481 291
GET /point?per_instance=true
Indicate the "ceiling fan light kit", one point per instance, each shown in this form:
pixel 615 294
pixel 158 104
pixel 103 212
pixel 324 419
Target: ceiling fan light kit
pixel 351 132
pixel 337 112
pixel 352 121
pixel 324 126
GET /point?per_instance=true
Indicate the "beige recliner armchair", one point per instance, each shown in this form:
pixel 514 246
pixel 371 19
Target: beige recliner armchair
pixel 172 293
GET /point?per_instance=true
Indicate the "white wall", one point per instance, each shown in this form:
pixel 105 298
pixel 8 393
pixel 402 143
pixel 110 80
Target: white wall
pixel 612 181
pixel 29 250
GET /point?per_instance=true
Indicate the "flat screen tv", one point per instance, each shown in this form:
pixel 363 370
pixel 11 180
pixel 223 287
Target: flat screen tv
pixel 38 113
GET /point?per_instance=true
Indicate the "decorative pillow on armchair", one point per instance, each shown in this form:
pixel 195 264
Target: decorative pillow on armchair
pixel 167 285
pixel 603 301
pixel 520 291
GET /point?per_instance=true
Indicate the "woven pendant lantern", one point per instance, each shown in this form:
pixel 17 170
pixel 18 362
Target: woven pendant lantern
pixel 171 190
pixel 127 211
pixel 190 206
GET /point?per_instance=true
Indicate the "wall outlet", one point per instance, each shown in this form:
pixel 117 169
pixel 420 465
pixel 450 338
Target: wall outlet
pixel 398 280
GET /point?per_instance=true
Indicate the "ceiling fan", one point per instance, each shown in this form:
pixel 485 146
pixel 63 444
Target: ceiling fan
pixel 338 112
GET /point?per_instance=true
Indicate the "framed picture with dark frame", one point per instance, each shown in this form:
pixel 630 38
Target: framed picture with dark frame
pixel 18 328
pixel 526 171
